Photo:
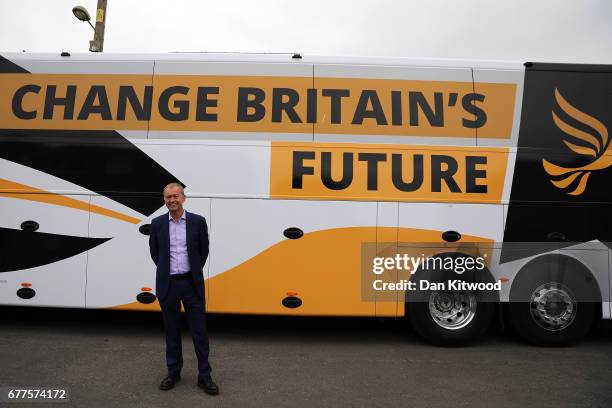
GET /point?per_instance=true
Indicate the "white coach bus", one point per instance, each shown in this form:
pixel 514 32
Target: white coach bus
pixel 301 165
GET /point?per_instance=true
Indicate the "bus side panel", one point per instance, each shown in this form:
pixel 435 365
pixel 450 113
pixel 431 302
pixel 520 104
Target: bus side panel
pixel 214 168
pixel 505 113
pixel 254 266
pixel 423 224
pixel 52 258
pixel 118 270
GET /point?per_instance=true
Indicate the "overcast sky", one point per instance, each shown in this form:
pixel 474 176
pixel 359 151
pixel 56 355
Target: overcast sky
pixel 519 30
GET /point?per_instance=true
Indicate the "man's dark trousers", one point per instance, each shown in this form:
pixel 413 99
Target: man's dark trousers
pixel 182 289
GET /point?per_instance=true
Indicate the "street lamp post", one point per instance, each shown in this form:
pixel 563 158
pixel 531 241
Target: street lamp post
pixel 80 12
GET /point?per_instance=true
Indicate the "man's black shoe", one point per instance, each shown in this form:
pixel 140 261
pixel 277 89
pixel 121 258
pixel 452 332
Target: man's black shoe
pixel 208 385
pixel 168 382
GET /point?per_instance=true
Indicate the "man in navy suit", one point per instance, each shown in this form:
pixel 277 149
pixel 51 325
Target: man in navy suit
pixel 179 247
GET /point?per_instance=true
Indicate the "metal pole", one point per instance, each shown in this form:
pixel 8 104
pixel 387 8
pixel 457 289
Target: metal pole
pixel 97 45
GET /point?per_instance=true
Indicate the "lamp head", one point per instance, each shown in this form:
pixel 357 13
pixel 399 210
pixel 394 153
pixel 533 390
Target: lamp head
pixel 81 13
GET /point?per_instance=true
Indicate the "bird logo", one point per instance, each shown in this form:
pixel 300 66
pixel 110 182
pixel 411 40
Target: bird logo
pixel 592 144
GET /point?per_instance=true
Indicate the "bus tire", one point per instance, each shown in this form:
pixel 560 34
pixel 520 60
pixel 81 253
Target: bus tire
pixel 469 320
pixel 450 318
pixel 553 302
pixel 519 318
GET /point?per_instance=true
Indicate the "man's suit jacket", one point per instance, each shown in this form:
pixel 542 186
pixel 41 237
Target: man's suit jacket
pixel 197 251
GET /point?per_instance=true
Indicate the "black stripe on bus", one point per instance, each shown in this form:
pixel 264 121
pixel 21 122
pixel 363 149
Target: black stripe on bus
pixel 102 161
pixel 9 67
pixel 540 211
pixel 24 249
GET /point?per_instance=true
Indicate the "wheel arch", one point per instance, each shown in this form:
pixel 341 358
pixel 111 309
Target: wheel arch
pixel 571 269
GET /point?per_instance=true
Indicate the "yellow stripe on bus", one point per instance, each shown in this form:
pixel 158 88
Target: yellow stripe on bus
pixel 23 192
pixel 323 267
pixel 279 104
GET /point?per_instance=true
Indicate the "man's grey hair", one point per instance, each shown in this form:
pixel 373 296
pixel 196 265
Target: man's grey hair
pixel 174 184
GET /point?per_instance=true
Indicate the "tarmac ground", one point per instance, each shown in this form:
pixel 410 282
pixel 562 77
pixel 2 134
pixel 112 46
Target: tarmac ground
pixel 116 359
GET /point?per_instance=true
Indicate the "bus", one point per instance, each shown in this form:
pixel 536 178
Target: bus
pixel 318 177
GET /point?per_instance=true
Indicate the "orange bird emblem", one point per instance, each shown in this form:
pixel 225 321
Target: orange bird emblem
pixel 593 144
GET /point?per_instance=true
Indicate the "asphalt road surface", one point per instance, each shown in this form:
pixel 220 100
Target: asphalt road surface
pixel 116 359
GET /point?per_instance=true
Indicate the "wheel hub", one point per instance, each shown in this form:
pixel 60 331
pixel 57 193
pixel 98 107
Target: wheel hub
pixel 553 306
pixel 452 310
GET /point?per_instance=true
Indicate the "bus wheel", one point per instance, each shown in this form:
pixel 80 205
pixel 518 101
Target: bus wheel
pixel 553 301
pixel 450 318
pixel 553 316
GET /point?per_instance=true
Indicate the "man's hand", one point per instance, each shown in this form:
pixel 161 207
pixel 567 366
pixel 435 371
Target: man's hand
pixel 203 242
